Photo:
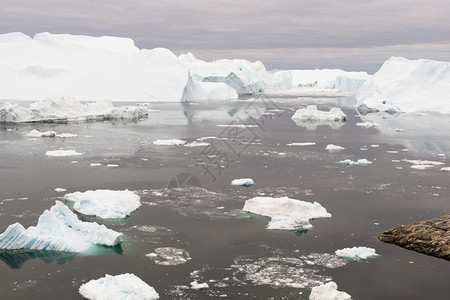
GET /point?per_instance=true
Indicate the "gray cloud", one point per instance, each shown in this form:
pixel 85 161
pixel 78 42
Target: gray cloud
pixel 316 27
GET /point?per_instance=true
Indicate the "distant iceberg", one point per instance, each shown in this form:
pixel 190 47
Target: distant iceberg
pixel 106 204
pixel 58 229
pixel 286 213
pixel 69 110
pixel 123 286
pixel 403 85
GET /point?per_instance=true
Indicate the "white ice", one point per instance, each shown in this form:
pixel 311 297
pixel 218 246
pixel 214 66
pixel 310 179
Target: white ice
pixel 36 133
pixel 311 114
pixel 328 291
pixel 359 162
pixel 403 85
pixel 169 256
pixel 356 253
pixel 196 144
pixel 198 286
pixel 243 182
pixel 60 153
pixel 169 142
pixel 366 124
pixel 124 286
pixel 106 204
pixel 286 213
pixel 302 144
pixel 334 148
pixel 58 229
pixel 445 169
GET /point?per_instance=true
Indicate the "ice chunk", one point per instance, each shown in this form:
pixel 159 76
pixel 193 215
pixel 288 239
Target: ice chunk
pixel 60 153
pixel 196 144
pixel 446 169
pixel 328 291
pixel 68 110
pixel 200 91
pixel 106 204
pixel 356 253
pixel 243 181
pixel 366 124
pixel 123 286
pixel 311 113
pixel 58 229
pixel 403 85
pixel 36 133
pixel 170 142
pixel 168 256
pixel 302 144
pixel 60 190
pixel 199 286
pixel 359 162
pixel 333 148
pixel 286 213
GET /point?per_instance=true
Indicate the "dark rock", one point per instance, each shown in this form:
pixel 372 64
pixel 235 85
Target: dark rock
pixel 430 237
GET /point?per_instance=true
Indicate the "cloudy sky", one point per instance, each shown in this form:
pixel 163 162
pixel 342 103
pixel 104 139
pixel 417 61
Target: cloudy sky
pixel 284 34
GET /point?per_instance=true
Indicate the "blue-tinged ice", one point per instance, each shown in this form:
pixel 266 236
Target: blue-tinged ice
pixel 58 229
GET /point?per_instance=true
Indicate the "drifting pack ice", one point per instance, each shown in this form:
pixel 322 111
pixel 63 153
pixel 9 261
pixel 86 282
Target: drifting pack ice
pixel 58 229
pixel 403 85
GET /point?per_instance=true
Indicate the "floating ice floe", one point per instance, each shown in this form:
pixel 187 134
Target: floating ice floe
pixel 302 144
pixel 328 291
pixel 198 286
pixel 243 182
pixel 359 162
pixel 403 85
pixel 68 110
pixel 311 113
pixel 356 253
pixel 366 124
pixel 61 153
pixel 60 190
pixel 58 229
pixel 196 144
pixel 286 213
pixel 446 169
pixel 36 133
pixel 106 204
pixel 333 148
pixel 423 164
pixel 169 256
pixel 170 142
pixel 123 286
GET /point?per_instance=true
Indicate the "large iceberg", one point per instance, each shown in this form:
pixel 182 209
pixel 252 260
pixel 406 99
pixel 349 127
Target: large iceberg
pixel 106 204
pixel 68 110
pixel 123 286
pixel 403 85
pixel 286 213
pixel 58 229
pixel 94 68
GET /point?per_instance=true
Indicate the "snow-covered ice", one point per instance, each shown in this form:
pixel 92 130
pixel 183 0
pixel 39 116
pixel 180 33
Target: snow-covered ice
pixel 124 286
pixel 328 291
pixel 403 85
pixel 311 113
pixel 286 213
pixel 169 256
pixel 356 253
pixel 61 153
pixel 198 286
pixel 243 182
pixel 334 148
pixel 359 162
pixel 58 229
pixel 169 142
pixel 106 204
pixel 65 110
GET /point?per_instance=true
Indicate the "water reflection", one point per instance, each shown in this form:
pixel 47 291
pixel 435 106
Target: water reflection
pixel 15 259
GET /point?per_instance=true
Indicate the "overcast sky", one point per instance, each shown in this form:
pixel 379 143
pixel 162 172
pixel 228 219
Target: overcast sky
pixel 285 34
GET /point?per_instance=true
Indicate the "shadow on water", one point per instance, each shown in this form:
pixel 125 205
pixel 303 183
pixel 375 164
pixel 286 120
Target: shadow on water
pixel 15 259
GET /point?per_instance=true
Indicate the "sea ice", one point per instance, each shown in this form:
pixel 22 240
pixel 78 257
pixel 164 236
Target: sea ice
pixel 170 142
pixel 199 286
pixel 106 204
pixel 359 162
pixel 60 190
pixel 58 229
pixel 328 291
pixel 123 286
pixel 446 169
pixel 60 153
pixel 356 253
pixel 243 182
pixel 169 256
pixel 333 148
pixel 403 85
pixel 366 124
pixel 302 144
pixel 286 213
pixel 196 144
pixel 36 133
pixel 311 114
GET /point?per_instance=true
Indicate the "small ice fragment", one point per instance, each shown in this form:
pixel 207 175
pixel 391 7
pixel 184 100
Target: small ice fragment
pixel 359 162
pixel 197 144
pixel 171 142
pixel 366 124
pixel 36 134
pixel 95 164
pixel 59 190
pixel 328 291
pixel 399 129
pixel 112 166
pixel 60 153
pixel 198 286
pixel 374 146
pixel 356 253
pixel 302 144
pixel 247 182
pixel 333 148
pixel 446 169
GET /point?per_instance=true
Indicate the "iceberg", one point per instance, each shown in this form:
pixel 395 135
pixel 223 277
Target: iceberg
pixel 58 229
pixel 247 182
pixel 286 213
pixel 403 85
pixel 123 286
pixel 328 291
pixel 105 204
pixel 311 114
pixel 66 110
pixel 356 253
